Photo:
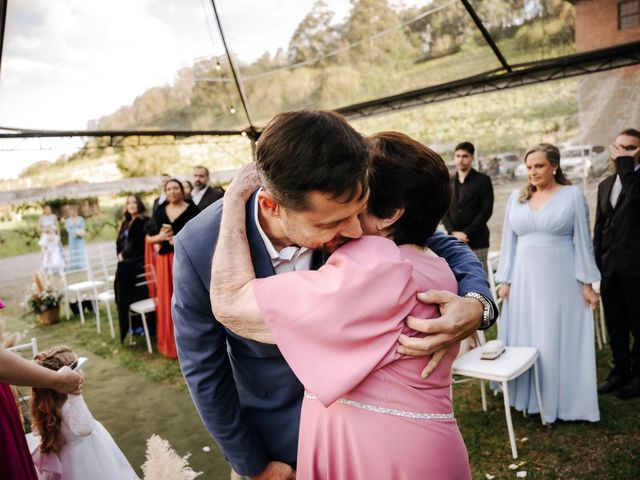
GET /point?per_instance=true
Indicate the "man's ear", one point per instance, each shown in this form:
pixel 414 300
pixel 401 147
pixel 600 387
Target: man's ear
pixel 268 204
pixel 387 222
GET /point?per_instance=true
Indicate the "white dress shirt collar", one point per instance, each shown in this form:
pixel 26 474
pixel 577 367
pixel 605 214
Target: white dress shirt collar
pixel 288 259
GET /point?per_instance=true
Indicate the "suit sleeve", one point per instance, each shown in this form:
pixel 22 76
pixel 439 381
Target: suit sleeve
pixel 202 351
pixel 466 267
pixel 486 208
pixel 597 229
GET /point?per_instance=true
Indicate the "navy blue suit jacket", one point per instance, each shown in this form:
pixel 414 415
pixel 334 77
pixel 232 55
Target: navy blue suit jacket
pixel 245 393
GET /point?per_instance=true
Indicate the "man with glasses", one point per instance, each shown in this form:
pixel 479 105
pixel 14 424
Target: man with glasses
pixel 617 250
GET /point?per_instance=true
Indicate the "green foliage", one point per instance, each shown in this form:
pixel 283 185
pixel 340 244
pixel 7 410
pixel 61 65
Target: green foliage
pixel 148 160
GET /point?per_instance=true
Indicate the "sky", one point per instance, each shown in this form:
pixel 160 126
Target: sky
pixel 66 62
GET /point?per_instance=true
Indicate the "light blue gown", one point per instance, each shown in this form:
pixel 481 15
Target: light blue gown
pixel 546 256
pixel 76 244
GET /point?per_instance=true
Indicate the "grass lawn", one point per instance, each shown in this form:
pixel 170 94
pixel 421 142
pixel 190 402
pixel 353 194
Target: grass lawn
pixel 134 394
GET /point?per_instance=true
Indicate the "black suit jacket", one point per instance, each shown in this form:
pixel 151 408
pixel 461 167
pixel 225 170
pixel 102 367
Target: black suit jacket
pixel 616 235
pixel 211 195
pixel 471 208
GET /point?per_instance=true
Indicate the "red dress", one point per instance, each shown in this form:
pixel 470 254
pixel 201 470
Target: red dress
pixel 15 459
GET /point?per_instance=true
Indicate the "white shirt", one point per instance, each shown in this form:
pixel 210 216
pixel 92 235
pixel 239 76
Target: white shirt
pixel 289 259
pixel 196 196
pixel 617 189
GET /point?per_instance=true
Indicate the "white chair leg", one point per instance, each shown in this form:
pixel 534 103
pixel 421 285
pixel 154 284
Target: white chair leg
pixel 146 332
pixel 507 412
pixel 603 325
pixel 537 384
pixel 483 394
pixel 97 310
pixel 34 346
pixel 79 300
pixel 66 305
pixel 110 317
pixel 130 332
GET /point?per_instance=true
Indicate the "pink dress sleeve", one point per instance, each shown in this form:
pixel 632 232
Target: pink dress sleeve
pixel 336 325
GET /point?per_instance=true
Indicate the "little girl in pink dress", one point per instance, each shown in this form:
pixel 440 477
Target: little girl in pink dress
pixel 73 445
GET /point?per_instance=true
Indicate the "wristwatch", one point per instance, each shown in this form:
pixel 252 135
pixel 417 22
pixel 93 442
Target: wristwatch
pixel 487 309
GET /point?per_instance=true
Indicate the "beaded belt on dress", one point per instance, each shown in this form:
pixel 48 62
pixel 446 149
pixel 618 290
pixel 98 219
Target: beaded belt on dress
pixel 388 411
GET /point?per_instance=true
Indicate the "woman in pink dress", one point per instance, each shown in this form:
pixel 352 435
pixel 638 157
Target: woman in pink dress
pixel 367 413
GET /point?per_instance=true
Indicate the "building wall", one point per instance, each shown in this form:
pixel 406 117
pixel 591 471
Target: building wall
pixel 597 25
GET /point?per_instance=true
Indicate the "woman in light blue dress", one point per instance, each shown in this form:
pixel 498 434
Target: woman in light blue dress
pixel 75 226
pixel 546 270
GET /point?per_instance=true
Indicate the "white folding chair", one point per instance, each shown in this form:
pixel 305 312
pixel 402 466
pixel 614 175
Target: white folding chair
pixel 109 264
pixel 510 365
pixel 144 307
pixel 87 287
pixel 32 345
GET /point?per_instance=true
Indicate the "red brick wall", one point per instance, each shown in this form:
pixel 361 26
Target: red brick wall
pixel 597 25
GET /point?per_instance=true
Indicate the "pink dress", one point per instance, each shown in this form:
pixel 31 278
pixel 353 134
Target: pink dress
pixel 366 412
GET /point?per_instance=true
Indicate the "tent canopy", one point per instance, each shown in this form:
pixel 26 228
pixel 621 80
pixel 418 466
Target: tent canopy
pixel 191 67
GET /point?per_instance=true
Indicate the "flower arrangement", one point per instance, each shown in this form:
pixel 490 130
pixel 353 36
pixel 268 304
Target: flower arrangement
pixel 43 296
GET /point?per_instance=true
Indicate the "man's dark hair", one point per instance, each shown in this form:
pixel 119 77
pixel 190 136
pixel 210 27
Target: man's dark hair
pixel 202 167
pixel 406 174
pixel 312 150
pixel 631 132
pixel 467 147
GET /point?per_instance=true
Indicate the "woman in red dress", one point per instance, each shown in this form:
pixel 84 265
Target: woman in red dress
pixel 168 220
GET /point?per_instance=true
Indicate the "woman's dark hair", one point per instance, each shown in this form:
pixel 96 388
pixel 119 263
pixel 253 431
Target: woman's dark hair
pixel 311 150
pixel 406 174
pixel 126 216
pixel 552 153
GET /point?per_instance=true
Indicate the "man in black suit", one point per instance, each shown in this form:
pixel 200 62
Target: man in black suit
pixel 617 249
pixel 203 194
pixel 471 203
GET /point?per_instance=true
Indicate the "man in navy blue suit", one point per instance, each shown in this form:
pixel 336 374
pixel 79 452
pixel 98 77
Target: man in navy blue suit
pixel 313 167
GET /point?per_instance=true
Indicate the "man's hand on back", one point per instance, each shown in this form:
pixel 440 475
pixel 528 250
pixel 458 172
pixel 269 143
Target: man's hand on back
pixel 276 471
pixel 460 317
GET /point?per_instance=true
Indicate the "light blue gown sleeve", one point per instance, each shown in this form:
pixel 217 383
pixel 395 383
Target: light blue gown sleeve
pixel 586 270
pixel 508 244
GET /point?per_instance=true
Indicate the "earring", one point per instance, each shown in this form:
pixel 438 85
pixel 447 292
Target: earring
pixel 378 228
pixel 554 172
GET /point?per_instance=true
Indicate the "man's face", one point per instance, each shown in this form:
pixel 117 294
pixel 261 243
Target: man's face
pixel 326 224
pixel 200 178
pixel 463 160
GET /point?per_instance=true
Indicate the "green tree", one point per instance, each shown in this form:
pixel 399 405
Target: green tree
pixel 377 35
pixel 315 35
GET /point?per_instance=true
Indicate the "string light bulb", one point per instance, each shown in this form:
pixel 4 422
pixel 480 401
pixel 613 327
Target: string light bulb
pixel 232 109
pixel 243 134
pixel 218 66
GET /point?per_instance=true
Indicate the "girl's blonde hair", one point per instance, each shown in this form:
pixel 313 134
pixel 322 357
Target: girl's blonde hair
pixel 46 403
pixel 553 155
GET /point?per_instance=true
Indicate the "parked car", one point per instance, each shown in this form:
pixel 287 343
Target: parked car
pixel 584 160
pixel 507 163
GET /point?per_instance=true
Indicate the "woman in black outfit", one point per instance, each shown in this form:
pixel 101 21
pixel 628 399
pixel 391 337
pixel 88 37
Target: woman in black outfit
pixel 130 247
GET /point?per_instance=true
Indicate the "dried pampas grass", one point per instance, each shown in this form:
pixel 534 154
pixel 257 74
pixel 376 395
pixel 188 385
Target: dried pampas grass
pixel 163 463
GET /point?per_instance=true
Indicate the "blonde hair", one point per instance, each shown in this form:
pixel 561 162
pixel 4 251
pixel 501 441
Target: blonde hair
pixel 46 403
pixel 552 154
